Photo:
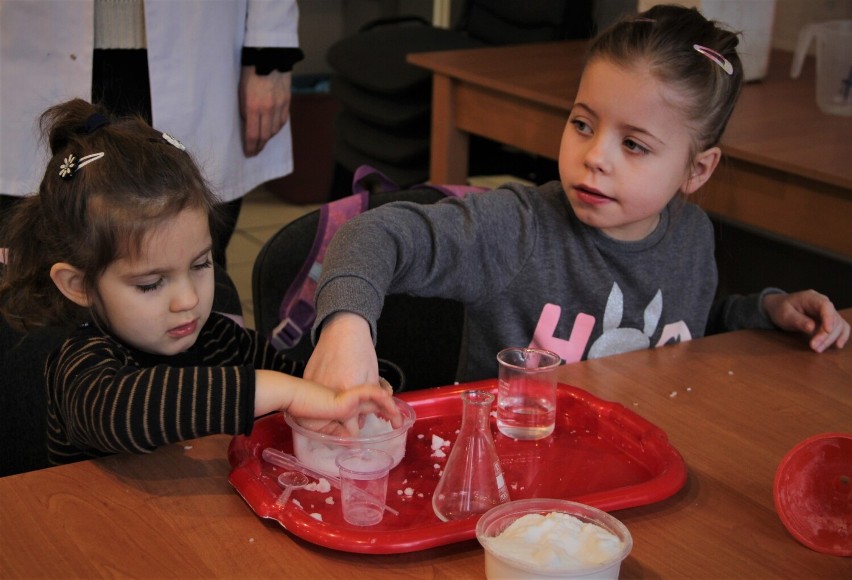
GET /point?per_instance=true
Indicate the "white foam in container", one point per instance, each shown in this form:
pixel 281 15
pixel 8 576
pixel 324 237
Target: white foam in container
pixel 551 538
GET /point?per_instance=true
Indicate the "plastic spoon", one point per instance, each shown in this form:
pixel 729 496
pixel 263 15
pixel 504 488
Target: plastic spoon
pixel 288 461
pixel 290 480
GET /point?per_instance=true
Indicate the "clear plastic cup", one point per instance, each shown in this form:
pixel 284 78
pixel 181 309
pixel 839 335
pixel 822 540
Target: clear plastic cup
pixel 364 485
pixel 318 451
pixel 526 392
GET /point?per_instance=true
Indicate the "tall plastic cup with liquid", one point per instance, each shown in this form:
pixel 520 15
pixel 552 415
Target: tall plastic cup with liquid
pixel 526 392
pixel 833 42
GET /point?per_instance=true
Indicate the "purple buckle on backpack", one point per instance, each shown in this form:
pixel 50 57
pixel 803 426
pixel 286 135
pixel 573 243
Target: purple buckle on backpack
pixel 290 331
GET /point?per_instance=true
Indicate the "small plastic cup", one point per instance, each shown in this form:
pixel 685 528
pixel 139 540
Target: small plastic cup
pixel 364 485
pixel 526 392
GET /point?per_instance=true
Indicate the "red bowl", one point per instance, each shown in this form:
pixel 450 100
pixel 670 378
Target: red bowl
pixel 813 493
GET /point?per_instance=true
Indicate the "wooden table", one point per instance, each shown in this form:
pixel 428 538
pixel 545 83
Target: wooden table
pixel 788 167
pixel 732 404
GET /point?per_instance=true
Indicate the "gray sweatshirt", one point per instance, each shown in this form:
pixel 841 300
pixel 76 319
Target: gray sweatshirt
pixel 531 274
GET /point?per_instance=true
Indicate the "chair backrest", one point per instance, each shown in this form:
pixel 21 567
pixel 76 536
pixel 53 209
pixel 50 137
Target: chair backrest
pixel 423 336
pixel 23 397
pixel 501 22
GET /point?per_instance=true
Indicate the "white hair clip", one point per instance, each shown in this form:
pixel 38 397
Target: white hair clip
pixel 174 141
pixel 70 165
pixel 723 62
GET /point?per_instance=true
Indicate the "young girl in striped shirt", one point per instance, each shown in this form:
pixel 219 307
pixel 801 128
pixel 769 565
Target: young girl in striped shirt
pixel 117 243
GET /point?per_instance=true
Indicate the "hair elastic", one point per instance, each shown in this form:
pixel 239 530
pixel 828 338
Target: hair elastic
pixel 723 62
pixel 94 122
pixel 71 165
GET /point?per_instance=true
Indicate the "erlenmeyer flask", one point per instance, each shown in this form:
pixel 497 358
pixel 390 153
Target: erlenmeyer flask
pixel 472 482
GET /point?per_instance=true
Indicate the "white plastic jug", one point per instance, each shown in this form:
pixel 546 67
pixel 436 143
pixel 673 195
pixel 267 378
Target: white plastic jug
pixel 753 18
pixel 833 63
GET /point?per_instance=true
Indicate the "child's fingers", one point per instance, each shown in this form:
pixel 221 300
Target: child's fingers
pixel 387 407
pixel 385 385
pixel 352 425
pixel 373 399
pixel 833 331
pixel 844 338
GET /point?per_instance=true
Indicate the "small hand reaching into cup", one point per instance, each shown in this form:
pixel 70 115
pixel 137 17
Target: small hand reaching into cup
pixel 327 410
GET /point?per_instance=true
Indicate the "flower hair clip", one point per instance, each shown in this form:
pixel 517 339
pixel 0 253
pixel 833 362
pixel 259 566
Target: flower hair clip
pixel 174 142
pixel 71 165
pixel 723 62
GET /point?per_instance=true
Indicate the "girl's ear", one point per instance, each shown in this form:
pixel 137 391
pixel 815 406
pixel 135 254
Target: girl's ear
pixel 702 168
pixel 69 280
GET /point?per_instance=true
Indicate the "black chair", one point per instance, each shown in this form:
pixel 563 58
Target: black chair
pixel 386 102
pixel 423 336
pixel 23 395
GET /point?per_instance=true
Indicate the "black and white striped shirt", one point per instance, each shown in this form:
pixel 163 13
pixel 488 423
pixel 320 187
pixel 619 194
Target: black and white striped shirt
pixel 105 397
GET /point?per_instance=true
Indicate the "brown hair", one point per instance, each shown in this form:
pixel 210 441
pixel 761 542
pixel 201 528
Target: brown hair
pixel 664 37
pixel 98 214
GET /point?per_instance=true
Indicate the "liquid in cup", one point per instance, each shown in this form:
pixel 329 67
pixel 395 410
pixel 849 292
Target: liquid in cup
pixel 363 485
pixel 526 392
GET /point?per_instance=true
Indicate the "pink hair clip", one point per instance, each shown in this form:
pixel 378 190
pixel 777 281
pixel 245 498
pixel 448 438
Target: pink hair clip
pixel 723 62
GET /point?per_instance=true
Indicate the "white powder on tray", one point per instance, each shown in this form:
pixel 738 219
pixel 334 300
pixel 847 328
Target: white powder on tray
pixel 555 540
pixel 320 456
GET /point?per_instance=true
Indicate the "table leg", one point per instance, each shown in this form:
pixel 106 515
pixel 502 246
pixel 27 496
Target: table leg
pixel 449 145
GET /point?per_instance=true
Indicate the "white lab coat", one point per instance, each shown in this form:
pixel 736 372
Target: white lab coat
pixel 194 65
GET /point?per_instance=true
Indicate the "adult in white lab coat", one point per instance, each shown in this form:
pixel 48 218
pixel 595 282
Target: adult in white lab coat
pixel 236 128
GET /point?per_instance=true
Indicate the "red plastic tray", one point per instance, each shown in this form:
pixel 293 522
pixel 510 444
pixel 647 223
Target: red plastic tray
pixel 600 454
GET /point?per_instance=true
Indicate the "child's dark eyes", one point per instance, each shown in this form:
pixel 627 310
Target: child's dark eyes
pixel 203 265
pixel 580 125
pixel 635 147
pixel 207 263
pixel 150 287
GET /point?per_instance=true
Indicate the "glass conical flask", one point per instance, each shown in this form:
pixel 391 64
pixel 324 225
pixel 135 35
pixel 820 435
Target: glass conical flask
pixel 472 482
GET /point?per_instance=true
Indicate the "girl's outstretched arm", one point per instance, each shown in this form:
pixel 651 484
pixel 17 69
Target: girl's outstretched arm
pixel 302 398
pixel 809 312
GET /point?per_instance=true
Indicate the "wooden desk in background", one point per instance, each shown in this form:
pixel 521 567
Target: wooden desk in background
pixel 743 400
pixel 788 168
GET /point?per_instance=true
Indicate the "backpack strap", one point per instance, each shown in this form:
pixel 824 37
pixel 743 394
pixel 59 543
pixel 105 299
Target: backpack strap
pixel 297 312
pixel 369 179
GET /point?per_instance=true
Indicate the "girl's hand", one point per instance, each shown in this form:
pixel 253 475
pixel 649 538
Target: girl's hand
pixel 308 400
pixel 264 106
pixel 345 408
pixel 344 355
pixel 811 313
pixel 345 360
